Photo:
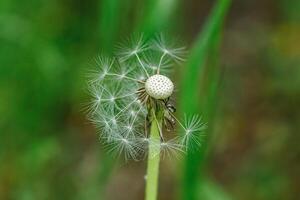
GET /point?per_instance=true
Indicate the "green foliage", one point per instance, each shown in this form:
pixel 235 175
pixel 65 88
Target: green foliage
pixel 110 17
pixel 157 16
pixel 190 96
pixel 49 151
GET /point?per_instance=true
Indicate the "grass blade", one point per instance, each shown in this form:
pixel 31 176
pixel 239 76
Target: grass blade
pixel 109 19
pixel 157 16
pixel 190 101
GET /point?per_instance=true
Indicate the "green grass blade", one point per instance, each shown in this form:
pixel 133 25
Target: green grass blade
pixel 196 61
pixel 109 23
pixel 190 101
pixel 157 16
pixel 209 190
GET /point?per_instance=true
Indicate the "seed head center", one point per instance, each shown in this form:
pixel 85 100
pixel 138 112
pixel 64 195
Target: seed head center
pixel 159 86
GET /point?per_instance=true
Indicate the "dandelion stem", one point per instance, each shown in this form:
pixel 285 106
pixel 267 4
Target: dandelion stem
pixel 153 158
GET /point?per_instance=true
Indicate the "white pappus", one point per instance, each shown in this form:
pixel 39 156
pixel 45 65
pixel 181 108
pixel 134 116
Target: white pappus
pixel 126 87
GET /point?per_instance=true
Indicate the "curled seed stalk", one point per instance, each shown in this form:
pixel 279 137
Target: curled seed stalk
pixel 153 156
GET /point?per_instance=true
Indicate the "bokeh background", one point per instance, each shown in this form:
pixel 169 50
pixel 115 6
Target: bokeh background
pixel 48 150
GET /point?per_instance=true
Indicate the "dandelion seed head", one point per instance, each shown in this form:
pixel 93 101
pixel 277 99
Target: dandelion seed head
pixel 159 86
pixel 122 90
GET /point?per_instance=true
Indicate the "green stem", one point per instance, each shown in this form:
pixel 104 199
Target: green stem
pixel 153 160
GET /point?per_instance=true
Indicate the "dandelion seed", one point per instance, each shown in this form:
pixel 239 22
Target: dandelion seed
pixel 132 113
pixel 112 99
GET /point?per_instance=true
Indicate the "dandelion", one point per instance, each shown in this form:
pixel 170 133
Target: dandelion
pixel 132 105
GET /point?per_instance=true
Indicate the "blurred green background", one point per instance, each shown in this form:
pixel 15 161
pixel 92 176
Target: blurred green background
pixel 250 98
